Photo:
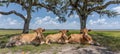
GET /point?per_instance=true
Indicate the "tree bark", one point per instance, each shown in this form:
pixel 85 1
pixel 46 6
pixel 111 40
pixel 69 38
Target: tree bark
pixel 27 21
pixel 83 20
pixel 82 23
pixel 26 26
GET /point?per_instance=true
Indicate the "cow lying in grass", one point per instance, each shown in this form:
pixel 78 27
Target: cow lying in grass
pixel 60 37
pixel 83 38
pixel 14 41
pixel 27 38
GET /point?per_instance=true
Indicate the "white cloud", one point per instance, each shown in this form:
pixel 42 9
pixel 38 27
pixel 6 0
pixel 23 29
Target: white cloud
pixel 56 18
pixel 99 22
pixel 49 12
pixel 48 22
pixel 92 15
pixel 103 24
pixel 40 20
pixel 47 18
pixel 0 15
pixel 76 16
pixel 117 9
pixel 71 16
pixel 25 16
pixel 52 23
pixel 10 23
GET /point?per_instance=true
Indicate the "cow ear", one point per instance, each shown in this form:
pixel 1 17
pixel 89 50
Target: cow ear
pixel 81 32
pixel 67 30
pixel 60 31
pixel 43 30
pixel 34 30
pixel 89 30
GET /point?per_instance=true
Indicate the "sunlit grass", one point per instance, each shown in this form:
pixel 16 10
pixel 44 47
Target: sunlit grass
pixel 5 32
pixel 26 48
pixel 109 39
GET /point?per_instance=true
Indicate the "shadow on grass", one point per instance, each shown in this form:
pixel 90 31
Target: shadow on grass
pixel 111 42
pixel 4 39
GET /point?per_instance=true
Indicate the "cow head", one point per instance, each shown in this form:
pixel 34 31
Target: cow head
pixel 39 32
pixel 85 31
pixel 87 37
pixel 64 36
pixel 40 35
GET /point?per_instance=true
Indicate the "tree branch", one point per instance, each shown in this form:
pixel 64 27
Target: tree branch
pixel 42 5
pixel 13 12
pixel 45 6
pixel 50 8
pixel 107 12
pixel 18 2
pixel 103 6
pixel 3 1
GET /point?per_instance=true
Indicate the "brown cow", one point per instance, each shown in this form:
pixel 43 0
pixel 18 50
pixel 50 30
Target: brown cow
pixel 81 38
pixel 14 41
pixel 60 37
pixel 27 38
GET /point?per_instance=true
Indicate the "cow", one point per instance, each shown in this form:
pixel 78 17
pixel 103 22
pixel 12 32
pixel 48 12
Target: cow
pixel 83 38
pixel 60 37
pixel 14 41
pixel 27 38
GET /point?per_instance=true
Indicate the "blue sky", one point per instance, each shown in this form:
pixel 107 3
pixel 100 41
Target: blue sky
pixel 48 20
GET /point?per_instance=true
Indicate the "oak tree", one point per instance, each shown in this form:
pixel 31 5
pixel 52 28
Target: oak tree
pixel 83 8
pixel 26 5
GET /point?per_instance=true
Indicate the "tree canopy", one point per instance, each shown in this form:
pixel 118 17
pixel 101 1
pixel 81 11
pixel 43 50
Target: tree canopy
pixel 63 8
pixel 83 8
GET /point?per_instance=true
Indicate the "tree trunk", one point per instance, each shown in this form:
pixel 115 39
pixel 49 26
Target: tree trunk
pixel 83 20
pixel 83 23
pixel 27 21
pixel 26 26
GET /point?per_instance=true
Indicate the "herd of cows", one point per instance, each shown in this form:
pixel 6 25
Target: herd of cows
pixel 38 38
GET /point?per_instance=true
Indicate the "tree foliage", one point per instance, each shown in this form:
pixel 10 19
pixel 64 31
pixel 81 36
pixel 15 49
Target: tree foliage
pixel 86 7
pixel 83 8
pixel 26 5
pixel 63 8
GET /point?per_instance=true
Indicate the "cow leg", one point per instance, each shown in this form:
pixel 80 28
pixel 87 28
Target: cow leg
pixel 47 41
pixel 70 40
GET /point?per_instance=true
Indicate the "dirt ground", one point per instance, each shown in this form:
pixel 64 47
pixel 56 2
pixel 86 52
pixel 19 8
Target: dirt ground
pixel 72 49
pixel 76 49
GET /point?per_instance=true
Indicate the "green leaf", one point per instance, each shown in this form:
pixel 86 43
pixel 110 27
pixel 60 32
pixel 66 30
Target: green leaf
pixel 1 4
pixel 109 13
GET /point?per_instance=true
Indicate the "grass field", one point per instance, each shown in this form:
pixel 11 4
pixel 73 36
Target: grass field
pixel 109 39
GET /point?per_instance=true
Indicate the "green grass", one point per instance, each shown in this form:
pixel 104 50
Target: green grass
pixel 9 32
pixel 109 39
pixel 26 48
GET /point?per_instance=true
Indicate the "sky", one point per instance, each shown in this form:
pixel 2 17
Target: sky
pixel 48 20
